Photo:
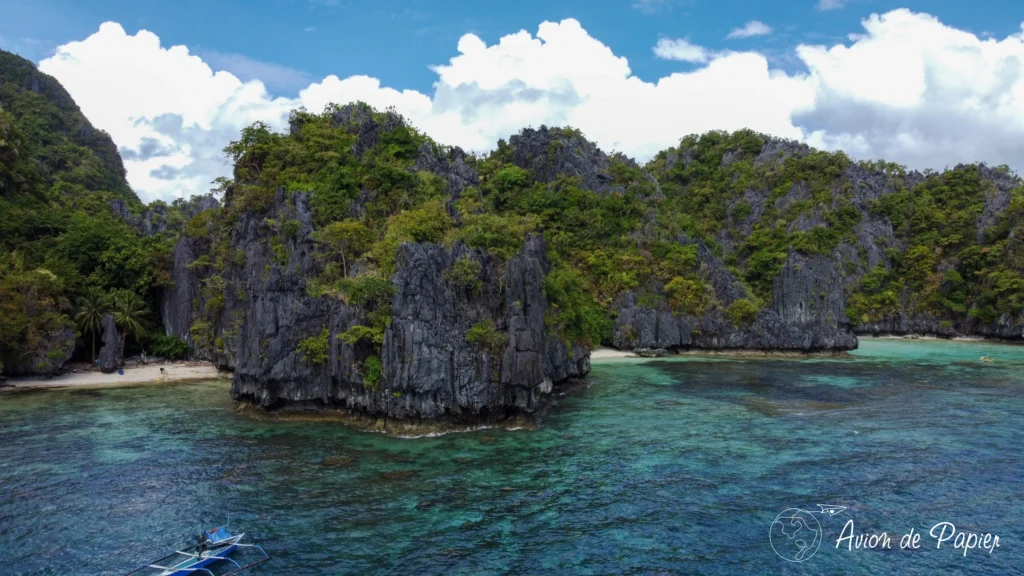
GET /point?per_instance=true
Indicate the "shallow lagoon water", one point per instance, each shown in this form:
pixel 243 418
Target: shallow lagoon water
pixel 675 466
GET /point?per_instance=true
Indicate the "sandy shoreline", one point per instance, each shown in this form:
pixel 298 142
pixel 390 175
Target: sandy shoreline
pixel 968 339
pixel 604 353
pixel 149 374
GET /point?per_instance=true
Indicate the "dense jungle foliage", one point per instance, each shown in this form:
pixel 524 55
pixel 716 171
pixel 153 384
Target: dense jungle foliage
pixel 63 251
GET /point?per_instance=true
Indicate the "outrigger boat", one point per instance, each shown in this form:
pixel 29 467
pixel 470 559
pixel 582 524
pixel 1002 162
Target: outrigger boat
pixel 211 547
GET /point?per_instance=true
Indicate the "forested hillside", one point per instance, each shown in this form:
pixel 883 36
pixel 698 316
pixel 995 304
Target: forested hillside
pixel 926 253
pixel 64 253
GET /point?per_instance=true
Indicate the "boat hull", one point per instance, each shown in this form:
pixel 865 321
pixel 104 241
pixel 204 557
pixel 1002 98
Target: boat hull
pixel 216 555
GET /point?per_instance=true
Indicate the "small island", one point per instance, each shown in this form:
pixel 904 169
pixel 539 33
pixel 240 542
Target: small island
pixel 353 264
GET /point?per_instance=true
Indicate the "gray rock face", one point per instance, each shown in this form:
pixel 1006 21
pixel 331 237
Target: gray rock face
pixel 551 153
pixel 807 314
pixel 429 368
pixel 808 309
pixel 997 199
pixel 360 120
pixel 1005 327
pixel 639 326
pixel 110 354
pixel 776 150
pixel 176 307
pixel 184 301
pixel 451 165
pixel 534 355
pixel 50 355
pixel 154 220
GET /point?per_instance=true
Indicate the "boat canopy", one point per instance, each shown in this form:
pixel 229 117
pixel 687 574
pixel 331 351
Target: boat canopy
pixel 218 534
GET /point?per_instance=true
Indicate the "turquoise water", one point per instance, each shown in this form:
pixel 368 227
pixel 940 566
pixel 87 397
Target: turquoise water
pixel 674 466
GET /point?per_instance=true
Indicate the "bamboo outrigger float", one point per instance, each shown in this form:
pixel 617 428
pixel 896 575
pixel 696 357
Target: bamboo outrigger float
pixel 210 548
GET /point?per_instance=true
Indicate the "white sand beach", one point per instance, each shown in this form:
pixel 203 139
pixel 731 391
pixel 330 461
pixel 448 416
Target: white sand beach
pixel 173 372
pixel 603 353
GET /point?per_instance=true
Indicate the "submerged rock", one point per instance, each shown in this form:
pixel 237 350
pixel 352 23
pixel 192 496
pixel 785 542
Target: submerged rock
pixel 338 461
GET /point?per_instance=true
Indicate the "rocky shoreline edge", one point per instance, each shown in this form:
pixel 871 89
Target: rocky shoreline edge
pixel 412 428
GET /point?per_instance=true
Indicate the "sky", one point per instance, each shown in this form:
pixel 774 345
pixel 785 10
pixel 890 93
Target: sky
pixel 928 84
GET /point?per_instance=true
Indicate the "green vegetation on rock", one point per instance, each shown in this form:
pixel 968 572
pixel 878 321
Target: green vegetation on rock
pixel 484 334
pixel 314 348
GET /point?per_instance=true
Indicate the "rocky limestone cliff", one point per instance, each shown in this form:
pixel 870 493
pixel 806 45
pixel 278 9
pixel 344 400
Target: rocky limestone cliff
pixel 807 314
pixel 808 308
pixel 253 311
pixel 154 220
pixel 430 370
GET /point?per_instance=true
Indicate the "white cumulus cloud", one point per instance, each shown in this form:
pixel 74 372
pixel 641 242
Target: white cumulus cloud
pixel 916 91
pixel 681 49
pixel 164 106
pixel 751 29
pixel 907 88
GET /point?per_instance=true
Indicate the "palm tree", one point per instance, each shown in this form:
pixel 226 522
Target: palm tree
pixel 89 317
pixel 130 315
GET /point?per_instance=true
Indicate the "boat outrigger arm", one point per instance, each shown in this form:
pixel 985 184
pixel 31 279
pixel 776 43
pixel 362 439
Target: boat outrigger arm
pixel 187 563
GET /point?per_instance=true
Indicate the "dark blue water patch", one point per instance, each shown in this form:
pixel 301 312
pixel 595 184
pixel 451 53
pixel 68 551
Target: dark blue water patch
pixel 664 467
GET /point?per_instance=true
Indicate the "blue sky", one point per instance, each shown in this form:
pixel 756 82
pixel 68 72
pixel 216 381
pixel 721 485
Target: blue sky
pixel 291 42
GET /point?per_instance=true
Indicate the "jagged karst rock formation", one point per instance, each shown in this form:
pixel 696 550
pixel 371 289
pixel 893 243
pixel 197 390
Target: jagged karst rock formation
pixel 774 265
pixel 550 153
pixel 110 354
pixel 807 314
pixel 154 220
pixel 429 369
